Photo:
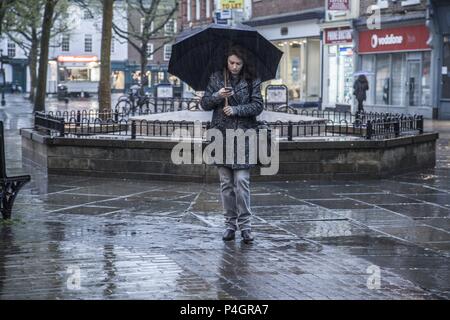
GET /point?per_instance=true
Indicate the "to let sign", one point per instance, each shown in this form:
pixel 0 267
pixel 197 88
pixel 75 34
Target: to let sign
pixel 339 5
pixel 338 36
pixel 232 4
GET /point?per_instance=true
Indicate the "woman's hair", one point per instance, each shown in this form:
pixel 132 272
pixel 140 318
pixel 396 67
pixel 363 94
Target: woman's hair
pixel 362 78
pixel 248 71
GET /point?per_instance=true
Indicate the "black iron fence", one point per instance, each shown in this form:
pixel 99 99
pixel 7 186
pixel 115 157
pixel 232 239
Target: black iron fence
pixel 84 123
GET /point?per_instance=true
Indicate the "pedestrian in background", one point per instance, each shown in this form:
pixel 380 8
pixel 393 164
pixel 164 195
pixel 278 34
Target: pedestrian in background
pixel 360 87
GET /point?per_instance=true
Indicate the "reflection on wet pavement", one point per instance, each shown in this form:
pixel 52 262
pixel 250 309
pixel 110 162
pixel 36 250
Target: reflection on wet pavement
pixel 94 238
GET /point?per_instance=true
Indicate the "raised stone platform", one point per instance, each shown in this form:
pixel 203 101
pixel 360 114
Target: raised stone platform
pixel 299 160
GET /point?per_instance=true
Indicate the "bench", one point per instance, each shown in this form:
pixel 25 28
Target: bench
pixel 9 186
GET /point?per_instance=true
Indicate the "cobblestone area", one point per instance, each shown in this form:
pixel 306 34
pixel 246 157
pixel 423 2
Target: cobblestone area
pixel 93 238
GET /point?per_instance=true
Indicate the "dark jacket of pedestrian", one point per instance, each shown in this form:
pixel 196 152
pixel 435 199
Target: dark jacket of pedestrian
pixel 360 87
pixel 246 103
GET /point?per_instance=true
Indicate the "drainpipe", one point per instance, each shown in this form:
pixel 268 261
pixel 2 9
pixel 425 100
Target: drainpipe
pixel 436 59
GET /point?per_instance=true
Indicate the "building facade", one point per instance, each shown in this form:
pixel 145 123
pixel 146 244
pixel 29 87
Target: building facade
pixel 74 57
pixel 438 21
pixel 293 26
pixel 338 36
pixel 159 49
pixel 397 57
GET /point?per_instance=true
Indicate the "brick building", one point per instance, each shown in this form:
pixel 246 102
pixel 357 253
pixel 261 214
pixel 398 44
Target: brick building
pixel 158 50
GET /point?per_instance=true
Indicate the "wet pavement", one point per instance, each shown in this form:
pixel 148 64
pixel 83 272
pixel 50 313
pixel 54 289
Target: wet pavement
pixel 93 238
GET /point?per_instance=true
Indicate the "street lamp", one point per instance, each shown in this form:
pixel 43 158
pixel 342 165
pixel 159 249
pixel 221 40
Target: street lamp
pixel 2 75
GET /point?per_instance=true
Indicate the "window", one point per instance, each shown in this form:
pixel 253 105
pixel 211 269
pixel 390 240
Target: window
pixel 188 11
pixel 383 84
pixel 170 27
pixel 150 51
pixel 65 43
pixel 368 64
pixel 87 15
pixel 88 43
pixel 197 9
pixel 11 49
pixel 446 65
pixel 167 51
pixel 383 4
pixel 208 8
pixel 142 25
pixel 398 79
pixel 426 80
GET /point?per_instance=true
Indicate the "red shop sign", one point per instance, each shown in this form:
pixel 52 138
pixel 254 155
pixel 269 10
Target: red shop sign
pixel 338 36
pixel 409 38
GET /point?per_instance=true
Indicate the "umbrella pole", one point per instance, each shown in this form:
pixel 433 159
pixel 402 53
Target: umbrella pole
pixel 225 79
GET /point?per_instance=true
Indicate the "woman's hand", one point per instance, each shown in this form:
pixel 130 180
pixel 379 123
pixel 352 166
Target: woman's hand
pixel 225 93
pixel 228 111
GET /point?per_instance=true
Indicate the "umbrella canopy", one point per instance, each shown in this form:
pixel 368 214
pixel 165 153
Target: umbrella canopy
pixel 363 72
pixel 199 52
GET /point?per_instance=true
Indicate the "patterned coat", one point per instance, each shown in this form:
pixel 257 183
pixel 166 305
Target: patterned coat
pixel 245 110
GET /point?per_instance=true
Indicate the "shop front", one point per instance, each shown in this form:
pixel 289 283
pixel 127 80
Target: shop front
pixel 439 24
pixel 299 68
pixel 338 67
pixel 297 35
pixel 80 74
pixel 156 74
pixel 397 63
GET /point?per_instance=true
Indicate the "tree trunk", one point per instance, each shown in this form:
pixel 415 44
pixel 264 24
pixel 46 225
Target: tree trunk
pixel 144 61
pixel 104 89
pixel 39 104
pixel 32 60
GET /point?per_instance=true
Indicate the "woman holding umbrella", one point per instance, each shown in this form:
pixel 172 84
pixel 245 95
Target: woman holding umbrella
pixel 216 59
pixel 234 95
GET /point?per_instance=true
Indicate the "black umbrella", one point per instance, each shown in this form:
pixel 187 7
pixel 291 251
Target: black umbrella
pixel 199 52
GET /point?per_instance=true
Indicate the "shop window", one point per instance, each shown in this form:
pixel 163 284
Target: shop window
pixel 426 79
pixel 368 65
pixel 383 86
pixel 118 80
pixel 174 81
pixel 398 79
pixel 446 67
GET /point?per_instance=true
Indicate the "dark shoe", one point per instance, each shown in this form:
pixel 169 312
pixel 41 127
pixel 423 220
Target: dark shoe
pixel 228 235
pixel 247 236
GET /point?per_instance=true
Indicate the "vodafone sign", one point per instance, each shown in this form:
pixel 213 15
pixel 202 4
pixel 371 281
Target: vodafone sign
pixel 410 38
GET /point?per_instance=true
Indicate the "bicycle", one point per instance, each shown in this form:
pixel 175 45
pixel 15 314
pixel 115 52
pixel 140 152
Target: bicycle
pixel 132 101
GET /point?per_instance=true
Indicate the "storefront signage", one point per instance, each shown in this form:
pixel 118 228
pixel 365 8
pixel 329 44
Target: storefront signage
pixel 232 4
pixel 338 36
pixel 276 94
pixel 77 59
pixel 339 5
pixel 410 38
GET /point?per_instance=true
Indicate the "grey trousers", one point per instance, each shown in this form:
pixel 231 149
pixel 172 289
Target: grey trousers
pixel 235 193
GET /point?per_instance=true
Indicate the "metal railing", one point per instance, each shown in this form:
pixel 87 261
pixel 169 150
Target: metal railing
pixel 83 123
